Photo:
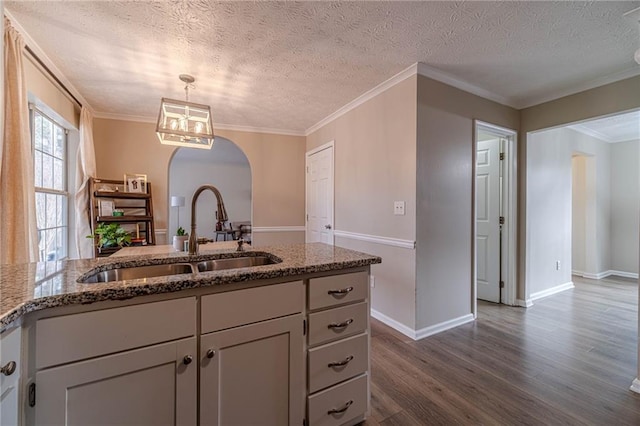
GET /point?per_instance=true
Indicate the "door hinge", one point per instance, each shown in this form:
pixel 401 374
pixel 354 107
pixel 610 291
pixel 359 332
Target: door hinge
pixel 307 169
pixel 307 217
pixel 304 327
pixel 32 395
pixel 502 155
pixel 501 220
pixel 501 284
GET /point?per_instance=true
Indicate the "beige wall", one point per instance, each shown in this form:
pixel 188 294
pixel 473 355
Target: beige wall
pixel 277 167
pixel 50 95
pixel 445 167
pixel 375 166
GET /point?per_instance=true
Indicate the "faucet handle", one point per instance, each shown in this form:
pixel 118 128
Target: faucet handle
pixel 240 243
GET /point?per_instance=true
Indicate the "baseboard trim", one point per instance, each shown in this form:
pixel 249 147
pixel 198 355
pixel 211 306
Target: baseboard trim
pixel 635 385
pixel 524 303
pixel 398 326
pixel 278 229
pixel 395 242
pixel 605 274
pixel 552 290
pixel 443 326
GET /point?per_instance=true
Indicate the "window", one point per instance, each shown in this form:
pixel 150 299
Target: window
pixel 52 198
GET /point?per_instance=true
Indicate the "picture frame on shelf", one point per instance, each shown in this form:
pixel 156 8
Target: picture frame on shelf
pixel 134 182
pixel 106 207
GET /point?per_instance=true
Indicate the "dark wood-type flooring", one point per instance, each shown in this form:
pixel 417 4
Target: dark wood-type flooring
pixel 569 359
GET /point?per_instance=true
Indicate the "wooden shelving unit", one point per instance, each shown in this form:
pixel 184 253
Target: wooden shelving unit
pixel 137 207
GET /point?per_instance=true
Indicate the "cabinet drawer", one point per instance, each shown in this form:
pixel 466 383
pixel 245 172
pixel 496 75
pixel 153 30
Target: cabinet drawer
pixel 338 361
pixel 337 323
pixel 337 290
pixel 240 307
pixel 339 404
pixel 79 336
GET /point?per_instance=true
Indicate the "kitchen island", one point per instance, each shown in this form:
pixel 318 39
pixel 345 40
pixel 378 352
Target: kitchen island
pixel 281 343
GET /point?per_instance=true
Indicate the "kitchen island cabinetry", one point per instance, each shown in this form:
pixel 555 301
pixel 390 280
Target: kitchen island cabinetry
pixel 10 366
pixel 283 343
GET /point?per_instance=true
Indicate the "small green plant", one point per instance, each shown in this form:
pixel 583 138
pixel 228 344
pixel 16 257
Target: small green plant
pixel 181 232
pixel 111 235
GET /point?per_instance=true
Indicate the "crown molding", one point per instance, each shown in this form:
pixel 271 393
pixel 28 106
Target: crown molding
pixel 124 117
pixel 286 132
pixel 592 84
pixel 147 119
pixel 446 78
pixel 590 132
pixel 46 60
pixel 401 76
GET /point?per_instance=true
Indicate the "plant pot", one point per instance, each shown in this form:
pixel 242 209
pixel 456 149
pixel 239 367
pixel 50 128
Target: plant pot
pixel 178 242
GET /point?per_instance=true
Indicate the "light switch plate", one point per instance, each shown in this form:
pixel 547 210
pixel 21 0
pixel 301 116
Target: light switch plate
pixel 398 208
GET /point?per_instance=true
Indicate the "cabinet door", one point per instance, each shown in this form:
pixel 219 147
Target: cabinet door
pixel 149 386
pixel 255 376
pixel 10 381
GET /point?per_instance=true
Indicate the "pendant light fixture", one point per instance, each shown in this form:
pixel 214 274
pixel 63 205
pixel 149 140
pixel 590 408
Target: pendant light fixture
pixel 184 123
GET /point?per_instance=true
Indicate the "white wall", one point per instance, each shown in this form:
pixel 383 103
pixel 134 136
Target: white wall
pixel 625 206
pixel 224 166
pixel 549 204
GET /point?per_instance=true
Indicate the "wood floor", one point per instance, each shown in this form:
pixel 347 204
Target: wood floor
pixel 569 359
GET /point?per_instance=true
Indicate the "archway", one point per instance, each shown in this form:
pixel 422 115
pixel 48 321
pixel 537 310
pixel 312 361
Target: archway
pixel 227 168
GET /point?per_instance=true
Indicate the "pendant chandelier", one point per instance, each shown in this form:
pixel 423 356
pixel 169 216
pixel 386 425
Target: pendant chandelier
pixel 184 123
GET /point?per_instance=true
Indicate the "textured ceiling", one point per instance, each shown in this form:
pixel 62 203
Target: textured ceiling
pixel 618 128
pixel 288 65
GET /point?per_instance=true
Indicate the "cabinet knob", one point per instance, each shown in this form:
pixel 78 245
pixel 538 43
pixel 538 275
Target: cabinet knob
pixel 187 359
pixel 211 353
pixel 9 369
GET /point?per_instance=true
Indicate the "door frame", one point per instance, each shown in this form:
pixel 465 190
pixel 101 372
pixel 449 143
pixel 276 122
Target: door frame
pixel 308 154
pixel 509 190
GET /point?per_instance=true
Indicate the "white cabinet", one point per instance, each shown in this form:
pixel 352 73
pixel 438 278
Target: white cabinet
pixel 338 349
pixel 155 385
pixel 126 365
pixel 252 359
pixel 253 374
pixel 10 361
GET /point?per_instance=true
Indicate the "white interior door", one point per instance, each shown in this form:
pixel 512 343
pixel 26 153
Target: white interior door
pixel 488 220
pixel 319 188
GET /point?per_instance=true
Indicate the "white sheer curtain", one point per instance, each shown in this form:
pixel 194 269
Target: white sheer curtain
pixel 18 231
pixel 85 169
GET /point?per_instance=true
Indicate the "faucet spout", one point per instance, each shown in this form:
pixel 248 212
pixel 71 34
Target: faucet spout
pixel 222 215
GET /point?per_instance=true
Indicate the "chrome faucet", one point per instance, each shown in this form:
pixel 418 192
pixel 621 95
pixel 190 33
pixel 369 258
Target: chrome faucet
pixel 222 215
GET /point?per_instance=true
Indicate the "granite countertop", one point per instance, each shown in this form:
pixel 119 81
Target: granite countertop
pixel 30 287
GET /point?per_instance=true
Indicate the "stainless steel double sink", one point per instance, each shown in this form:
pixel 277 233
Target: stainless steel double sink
pixel 149 271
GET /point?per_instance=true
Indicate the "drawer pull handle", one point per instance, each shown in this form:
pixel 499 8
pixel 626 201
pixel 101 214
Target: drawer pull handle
pixel 343 324
pixel 9 369
pixel 211 353
pixel 187 359
pixel 341 410
pixel 340 292
pixel 346 361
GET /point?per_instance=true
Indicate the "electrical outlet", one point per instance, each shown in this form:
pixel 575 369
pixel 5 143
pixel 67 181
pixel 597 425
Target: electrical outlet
pixel 398 208
pixel 372 281
pixel 557 265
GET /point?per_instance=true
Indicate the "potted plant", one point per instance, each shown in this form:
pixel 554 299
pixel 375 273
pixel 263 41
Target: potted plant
pixel 179 239
pixel 111 235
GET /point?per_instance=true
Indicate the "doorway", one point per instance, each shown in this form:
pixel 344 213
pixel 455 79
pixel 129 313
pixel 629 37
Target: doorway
pixel 319 194
pixel 495 214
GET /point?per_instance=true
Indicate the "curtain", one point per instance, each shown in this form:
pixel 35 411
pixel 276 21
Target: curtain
pixel 85 169
pixel 18 231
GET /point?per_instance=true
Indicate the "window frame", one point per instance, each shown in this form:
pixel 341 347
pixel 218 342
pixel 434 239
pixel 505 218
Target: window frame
pixel 65 215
